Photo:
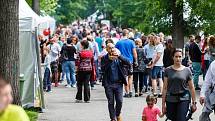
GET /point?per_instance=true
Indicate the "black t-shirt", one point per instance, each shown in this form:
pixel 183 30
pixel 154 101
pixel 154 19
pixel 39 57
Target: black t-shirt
pixel 42 42
pixel 177 83
pixel 195 52
pixel 68 52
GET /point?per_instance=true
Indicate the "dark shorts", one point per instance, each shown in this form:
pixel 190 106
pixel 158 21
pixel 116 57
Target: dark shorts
pixel 128 69
pixel 157 72
pixel 54 66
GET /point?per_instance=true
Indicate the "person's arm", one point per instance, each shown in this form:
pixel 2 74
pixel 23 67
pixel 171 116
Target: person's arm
pixel 143 118
pixel 206 85
pixel 161 115
pixel 159 51
pixel 164 95
pixel 104 63
pixel 193 95
pixel 144 115
pixel 192 90
pixel 158 55
pixel 124 60
pixel 135 54
pixel 46 61
pixel 134 51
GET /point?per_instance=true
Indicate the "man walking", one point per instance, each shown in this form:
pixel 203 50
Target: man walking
pixel 157 66
pixel 113 80
pixel 195 57
pixel 207 94
pixel 128 50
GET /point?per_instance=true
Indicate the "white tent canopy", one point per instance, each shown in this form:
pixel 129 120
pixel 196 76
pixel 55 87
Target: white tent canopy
pixel 25 11
pixel 29 24
pixel 45 23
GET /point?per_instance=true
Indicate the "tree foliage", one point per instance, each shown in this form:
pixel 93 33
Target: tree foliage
pixel 46 6
pixel 145 15
pixel 156 15
pixel 70 10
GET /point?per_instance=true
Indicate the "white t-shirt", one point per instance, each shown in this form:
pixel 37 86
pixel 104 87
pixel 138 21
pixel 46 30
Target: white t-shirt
pixel 54 51
pixel 159 49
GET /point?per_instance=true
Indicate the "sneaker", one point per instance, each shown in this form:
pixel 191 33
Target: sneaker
pixel 146 90
pixel 136 95
pixel 74 86
pixel 126 95
pixel 87 101
pixel 130 94
pixel 67 86
pixel 160 95
pixel 78 101
pixel 93 88
pixel 155 94
pixel 60 81
pixel 97 83
pixel 140 94
pixel 48 91
pixel 197 88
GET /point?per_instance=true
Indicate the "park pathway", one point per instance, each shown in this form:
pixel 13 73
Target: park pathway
pixel 61 106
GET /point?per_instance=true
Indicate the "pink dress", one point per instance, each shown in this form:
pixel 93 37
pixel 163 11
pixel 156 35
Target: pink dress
pixel 151 113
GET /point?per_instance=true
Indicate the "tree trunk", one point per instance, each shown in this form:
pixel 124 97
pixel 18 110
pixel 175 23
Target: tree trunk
pixel 177 24
pixel 9 44
pixel 36 6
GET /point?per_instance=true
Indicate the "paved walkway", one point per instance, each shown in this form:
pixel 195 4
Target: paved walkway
pixel 61 106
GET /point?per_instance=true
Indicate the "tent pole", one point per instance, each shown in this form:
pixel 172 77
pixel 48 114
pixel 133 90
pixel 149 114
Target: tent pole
pixel 39 68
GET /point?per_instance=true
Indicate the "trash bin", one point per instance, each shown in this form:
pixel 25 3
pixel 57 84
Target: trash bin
pixel 21 83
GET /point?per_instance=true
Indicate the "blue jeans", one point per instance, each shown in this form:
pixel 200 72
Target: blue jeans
pixel 97 69
pixel 114 92
pixel 47 80
pixel 69 69
pixel 196 72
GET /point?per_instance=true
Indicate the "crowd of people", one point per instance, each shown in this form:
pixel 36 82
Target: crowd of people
pixel 89 54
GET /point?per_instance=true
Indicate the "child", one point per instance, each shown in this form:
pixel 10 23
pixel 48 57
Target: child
pixel 150 112
pixel 8 111
pixel 47 74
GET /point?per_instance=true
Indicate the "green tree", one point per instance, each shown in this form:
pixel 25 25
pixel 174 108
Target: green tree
pixel 70 10
pixel 176 17
pixel 46 6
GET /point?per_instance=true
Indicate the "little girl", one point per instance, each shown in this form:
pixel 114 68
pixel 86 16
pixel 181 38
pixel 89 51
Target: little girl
pixel 150 112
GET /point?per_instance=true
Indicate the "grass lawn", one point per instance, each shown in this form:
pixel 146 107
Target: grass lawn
pixel 32 115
